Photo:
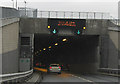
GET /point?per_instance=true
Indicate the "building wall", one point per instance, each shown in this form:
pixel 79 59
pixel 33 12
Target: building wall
pixel 10 47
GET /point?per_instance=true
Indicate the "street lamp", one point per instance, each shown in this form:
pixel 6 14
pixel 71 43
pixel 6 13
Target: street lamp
pixel 16 4
pixel 13 3
pixel 25 7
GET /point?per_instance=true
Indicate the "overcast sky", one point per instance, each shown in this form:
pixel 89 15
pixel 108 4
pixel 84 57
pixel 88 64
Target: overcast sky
pixel 108 6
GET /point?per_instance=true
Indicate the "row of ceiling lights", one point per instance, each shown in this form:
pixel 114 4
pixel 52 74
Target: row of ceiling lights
pixel 56 44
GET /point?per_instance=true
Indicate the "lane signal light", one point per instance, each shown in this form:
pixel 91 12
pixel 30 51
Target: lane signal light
pixel 84 28
pixel 54 31
pixel 48 27
pixel 78 32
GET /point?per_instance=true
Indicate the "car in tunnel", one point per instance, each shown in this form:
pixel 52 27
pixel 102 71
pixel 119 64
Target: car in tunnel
pixel 54 68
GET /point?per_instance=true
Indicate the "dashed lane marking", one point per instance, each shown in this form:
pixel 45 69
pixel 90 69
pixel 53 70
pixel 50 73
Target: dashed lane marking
pixel 84 79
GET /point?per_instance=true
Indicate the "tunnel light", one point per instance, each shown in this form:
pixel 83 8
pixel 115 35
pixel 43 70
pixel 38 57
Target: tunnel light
pixel 84 28
pixel 48 27
pixel 56 44
pixel 49 46
pixel 44 48
pixel 64 40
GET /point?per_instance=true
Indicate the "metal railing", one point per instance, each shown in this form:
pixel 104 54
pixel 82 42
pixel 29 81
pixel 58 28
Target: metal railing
pixel 15 77
pixel 110 71
pixel 71 14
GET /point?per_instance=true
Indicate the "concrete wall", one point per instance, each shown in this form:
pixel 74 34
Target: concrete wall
pixel 96 27
pixel 87 56
pixel 0 50
pixel 104 45
pixel 31 26
pixel 39 25
pixel 113 49
pixel 8 12
pixel 10 55
pixel 109 49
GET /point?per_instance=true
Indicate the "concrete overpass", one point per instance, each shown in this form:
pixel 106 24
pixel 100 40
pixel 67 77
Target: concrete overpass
pixel 19 37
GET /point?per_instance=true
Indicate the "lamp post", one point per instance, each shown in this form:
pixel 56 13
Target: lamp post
pixel 13 3
pixel 25 7
pixel 16 4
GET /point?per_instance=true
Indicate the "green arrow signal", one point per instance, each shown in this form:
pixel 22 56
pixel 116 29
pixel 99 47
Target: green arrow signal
pixel 78 32
pixel 54 31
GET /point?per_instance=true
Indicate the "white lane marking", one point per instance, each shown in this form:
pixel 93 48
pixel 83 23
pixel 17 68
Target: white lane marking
pixel 82 78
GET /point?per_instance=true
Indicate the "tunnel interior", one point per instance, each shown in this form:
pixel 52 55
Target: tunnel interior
pixel 79 52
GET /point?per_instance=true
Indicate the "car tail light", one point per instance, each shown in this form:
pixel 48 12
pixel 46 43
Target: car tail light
pixel 50 67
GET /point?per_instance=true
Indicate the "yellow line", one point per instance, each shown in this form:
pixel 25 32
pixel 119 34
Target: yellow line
pixel 40 69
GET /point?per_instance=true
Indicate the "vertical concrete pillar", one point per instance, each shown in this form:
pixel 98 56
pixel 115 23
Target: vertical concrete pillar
pixel 0 43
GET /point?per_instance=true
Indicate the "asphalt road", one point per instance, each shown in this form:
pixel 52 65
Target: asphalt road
pixel 68 78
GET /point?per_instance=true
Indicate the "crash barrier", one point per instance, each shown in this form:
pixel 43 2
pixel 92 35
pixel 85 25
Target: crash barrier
pixel 109 71
pixel 16 77
pixel 41 76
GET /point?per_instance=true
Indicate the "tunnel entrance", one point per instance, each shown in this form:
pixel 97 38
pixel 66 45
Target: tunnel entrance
pixel 79 52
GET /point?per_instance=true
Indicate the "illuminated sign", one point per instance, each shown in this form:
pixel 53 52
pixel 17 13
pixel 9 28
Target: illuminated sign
pixel 66 23
pixel 75 25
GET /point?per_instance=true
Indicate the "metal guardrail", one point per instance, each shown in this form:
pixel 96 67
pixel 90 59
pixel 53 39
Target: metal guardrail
pixel 110 71
pixel 115 21
pixel 16 77
pixel 71 15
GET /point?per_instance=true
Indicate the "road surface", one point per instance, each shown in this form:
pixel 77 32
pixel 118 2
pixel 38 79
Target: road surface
pixel 68 78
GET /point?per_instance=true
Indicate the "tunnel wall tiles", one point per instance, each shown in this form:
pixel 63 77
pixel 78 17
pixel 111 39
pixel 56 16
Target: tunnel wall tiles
pixel 10 47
